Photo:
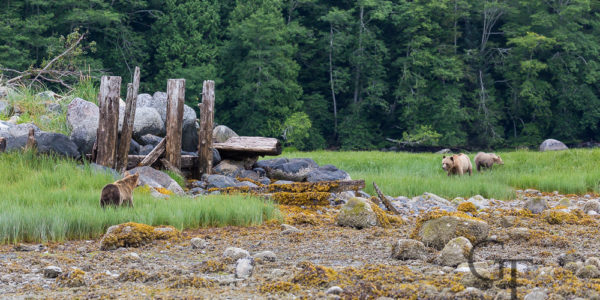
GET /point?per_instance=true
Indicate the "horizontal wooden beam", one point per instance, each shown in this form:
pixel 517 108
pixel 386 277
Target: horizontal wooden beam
pixel 248 146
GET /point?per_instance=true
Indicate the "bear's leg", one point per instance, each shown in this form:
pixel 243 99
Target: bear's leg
pixel 470 170
pixel 478 167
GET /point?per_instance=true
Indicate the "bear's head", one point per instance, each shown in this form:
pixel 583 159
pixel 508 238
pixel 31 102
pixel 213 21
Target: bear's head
pixel 133 180
pixel 447 162
pixel 497 159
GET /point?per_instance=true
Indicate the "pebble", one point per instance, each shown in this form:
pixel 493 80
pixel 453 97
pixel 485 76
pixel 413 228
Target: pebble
pixel 287 229
pixel 335 290
pixel 236 253
pixel 198 243
pixel 243 268
pixel 265 256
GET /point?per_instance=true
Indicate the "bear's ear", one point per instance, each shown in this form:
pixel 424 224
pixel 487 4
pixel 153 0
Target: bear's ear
pixel 444 156
pixel 126 174
pixel 452 158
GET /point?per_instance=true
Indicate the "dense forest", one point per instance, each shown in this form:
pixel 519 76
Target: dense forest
pixel 342 74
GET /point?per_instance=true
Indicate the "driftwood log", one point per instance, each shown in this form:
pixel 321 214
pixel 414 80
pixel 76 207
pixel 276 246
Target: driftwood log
pixel 248 146
pixel 149 159
pixel 385 200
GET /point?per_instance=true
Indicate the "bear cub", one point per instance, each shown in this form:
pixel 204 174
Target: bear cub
pixel 120 192
pixel 487 160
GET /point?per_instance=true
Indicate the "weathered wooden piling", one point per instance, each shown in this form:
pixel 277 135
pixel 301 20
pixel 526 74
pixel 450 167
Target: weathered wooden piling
pixel 175 102
pixel 128 119
pixel 205 131
pixel 108 122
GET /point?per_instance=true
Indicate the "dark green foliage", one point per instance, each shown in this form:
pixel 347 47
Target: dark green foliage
pixel 479 73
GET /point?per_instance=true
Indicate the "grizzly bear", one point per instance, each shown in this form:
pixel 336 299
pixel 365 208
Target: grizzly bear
pixel 120 192
pixel 457 164
pixel 487 160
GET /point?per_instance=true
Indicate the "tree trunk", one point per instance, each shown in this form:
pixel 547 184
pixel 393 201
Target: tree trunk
pixel 331 79
pixel 360 53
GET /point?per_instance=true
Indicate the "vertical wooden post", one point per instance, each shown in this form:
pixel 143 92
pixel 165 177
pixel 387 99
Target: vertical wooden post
pixel 2 144
pixel 31 142
pixel 108 123
pixel 128 119
pixel 205 154
pixel 175 102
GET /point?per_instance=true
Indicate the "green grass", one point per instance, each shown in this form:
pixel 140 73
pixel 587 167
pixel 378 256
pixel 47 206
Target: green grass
pixel 409 174
pixel 45 198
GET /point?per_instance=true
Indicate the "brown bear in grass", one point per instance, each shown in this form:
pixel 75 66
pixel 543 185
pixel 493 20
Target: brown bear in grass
pixel 487 160
pixel 120 192
pixel 457 164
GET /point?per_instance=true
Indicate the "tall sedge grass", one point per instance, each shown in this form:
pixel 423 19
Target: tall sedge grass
pixel 45 198
pixel 409 174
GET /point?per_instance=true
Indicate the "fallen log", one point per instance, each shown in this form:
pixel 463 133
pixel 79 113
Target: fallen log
pixel 248 146
pixel 385 200
pixel 154 154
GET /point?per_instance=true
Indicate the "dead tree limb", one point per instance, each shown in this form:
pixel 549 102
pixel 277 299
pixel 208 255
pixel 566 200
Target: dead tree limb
pixel 155 153
pixel 31 142
pixel 385 200
pixel 58 57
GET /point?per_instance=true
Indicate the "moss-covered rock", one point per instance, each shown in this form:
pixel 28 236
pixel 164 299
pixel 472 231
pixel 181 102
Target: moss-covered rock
pixel 135 235
pixel 409 249
pixel 437 228
pixel 455 252
pixel 357 213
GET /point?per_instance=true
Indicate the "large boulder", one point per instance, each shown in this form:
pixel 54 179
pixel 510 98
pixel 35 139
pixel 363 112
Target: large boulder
pixel 327 173
pixel 357 213
pixel 150 139
pixel 157 179
pixel 552 145
pixel 82 119
pixel 189 134
pixel 437 231
pixel 136 235
pixel 22 129
pixel 147 121
pixel 47 143
pixel 222 133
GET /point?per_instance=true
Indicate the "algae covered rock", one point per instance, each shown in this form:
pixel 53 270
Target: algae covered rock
pixel 455 252
pixel 135 235
pixel 536 205
pixel 357 213
pixel 409 249
pixel 435 229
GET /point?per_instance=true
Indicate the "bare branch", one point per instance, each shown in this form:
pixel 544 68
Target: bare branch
pixel 58 57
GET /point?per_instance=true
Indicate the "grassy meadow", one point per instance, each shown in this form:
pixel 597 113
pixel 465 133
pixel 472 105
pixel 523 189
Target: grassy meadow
pixel 409 174
pixel 49 199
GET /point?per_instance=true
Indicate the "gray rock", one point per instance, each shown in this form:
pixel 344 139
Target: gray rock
pixel 264 180
pixel 198 243
pixel 470 293
pixel 157 179
pixel 444 151
pixel 271 163
pixel 455 252
pixel 82 119
pixel 28 248
pixel 22 129
pixel 520 233
pixel 327 173
pixel 53 108
pixel 357 213
pixel 593 261
pixel 287 229
pixel 134 147
pixel 147 121
pixel 189 134
pixel 219 181
pixel 265 256
pixel 508 221
pixel 243 268
pixel 409 249
pixel 334 290
pixel 150 139
pixel 222 133
pixel 591 205
pixel 216 157
pixel 552 145
pixel 96 168
pixel 47 143
pixel 536 205
pixel 588 271
pixel 282 182
pixel 51 271
pixel 536 294
pixel 249 174
pixel 438 231
pixel 235 253
pixel 47 96
pixel 566 258
pixel 229 167
pixel 145 150
pixel 248 184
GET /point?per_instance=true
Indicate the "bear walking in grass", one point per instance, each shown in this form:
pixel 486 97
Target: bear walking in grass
pixel 457 164
pixel 487 160
pixel 120 192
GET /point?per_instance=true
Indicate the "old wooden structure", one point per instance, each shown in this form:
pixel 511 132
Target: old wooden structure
pixel 111 150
